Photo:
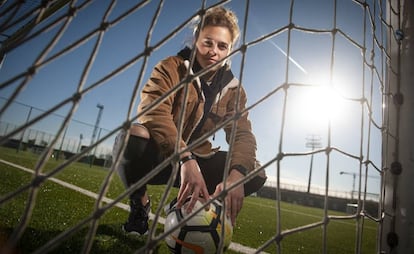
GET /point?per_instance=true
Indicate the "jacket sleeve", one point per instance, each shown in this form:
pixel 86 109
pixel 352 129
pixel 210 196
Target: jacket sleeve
pixel 244 146
pixel 159 119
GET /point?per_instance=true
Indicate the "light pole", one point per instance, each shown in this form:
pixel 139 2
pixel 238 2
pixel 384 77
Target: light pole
pixel 61 144
pixel 353 174
pixel 353 181
pixel 312 141
pixel 95 130
pixel 80 143
pixel 22 136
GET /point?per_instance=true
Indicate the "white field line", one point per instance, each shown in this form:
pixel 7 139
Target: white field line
pixel 233 246
pixel 345 222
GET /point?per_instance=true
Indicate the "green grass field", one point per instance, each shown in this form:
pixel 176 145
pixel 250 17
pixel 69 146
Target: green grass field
pixel 58 208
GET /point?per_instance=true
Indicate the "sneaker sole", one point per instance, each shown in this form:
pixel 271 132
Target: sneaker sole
pixel 135 233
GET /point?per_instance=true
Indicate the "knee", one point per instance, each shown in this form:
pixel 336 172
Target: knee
pixel 139 130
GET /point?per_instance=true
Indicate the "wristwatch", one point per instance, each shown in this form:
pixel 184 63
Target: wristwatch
pixel 185 159
pixel 242 170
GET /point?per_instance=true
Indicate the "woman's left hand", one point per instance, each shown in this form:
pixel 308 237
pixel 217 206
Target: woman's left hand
pixel 234 198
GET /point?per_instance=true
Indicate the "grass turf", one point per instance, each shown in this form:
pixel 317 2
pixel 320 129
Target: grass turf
pixel 58 208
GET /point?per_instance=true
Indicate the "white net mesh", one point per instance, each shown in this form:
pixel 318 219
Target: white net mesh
pixel 315 76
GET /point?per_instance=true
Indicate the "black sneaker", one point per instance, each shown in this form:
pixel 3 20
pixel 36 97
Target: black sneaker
pixel 138 218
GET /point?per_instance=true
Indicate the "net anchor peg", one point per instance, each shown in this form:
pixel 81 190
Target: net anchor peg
pixel 396 168
pixel 398 99
pixel 399 34
pixel 392 239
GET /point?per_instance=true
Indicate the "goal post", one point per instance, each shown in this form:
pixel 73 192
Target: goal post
pixel 398 140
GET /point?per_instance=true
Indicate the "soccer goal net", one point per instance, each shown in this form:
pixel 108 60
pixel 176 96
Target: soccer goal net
pixel 328 90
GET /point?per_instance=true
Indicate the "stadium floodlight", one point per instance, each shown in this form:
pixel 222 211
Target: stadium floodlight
pixel 313 142
pixel 95 131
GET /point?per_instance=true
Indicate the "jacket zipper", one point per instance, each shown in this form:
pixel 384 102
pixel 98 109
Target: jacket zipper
pixel 197 86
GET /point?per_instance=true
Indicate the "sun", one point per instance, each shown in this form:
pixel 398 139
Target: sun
pixel 318 104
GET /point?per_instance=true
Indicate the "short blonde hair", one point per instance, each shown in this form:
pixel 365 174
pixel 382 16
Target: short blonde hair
pixel 220 16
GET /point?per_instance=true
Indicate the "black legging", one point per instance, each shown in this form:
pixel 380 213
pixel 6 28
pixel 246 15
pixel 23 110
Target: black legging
pixel 142 155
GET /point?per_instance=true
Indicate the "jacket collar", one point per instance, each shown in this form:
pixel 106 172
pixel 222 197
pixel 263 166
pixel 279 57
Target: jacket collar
pixel 228 79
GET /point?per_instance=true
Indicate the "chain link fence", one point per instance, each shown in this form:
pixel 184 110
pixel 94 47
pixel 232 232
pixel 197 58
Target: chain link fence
pixel 76 137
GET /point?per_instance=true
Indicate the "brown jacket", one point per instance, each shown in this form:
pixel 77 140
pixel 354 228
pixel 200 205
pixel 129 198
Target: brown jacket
pixel 163 119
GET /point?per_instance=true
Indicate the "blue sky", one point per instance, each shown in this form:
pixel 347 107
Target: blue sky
pixel 265 69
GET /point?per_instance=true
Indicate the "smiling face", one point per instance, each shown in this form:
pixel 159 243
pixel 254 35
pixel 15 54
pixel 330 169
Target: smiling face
pixel 213 44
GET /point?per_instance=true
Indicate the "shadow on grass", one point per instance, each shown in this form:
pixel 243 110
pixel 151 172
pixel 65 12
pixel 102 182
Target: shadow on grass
pixel 108 239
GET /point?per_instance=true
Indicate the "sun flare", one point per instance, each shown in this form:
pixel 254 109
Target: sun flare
pixel 319 104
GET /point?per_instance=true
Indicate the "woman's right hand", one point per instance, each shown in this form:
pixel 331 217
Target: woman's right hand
pixel 192 183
